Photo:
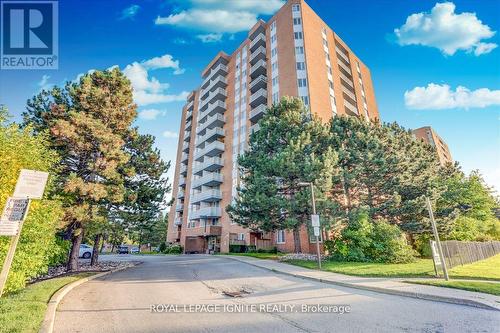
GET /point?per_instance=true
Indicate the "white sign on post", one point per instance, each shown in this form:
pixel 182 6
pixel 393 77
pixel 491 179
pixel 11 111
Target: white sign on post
pixel 316 231
pixel 315 220
pixel 13 214
pixel 435 253
pixel 31 184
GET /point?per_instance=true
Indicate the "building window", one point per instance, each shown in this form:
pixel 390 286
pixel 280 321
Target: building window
pixel 275 97
pixel 325 42
pixel 273 38
pixel 298 35
pixel 299 50
pixel 280 237
pixel 273 25
pixel 295 8
pixel 302 83
pixel 297 21
pixel 305 100
pixel 301 65
pixel 241 237
pixel 330 83
pixel 274 66
pixel 275 81
pixel 274 52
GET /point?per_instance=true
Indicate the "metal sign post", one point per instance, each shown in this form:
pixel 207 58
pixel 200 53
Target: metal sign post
pixel 436 237
pixel 315 220
pixel 30 185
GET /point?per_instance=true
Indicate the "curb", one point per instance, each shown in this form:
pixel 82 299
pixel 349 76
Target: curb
pixel 50 313
pixel 429 297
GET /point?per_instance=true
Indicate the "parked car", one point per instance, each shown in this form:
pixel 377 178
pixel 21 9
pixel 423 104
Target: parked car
pixel 134 249
pixel 85 251
pixel 122 249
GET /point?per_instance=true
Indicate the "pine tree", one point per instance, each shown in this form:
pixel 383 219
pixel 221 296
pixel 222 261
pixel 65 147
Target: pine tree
pixel 291 147
pixel 88 123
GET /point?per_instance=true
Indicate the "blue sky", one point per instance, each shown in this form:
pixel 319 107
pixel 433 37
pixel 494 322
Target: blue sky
pixel 447 49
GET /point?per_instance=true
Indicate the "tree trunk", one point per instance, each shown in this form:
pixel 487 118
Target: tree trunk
pixel 75 247
pixel 296 240
pixel 347 195
pixel 95 251
pixel 104 238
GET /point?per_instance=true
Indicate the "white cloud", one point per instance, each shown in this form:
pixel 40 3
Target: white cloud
pixel 150 114
pixel 129 12
pixel 215 16
pixel 444 29
pixel 149 90
pixel 44 83
pixel 210 38
pixel 170 135
pixel 165 61
pixel 436 96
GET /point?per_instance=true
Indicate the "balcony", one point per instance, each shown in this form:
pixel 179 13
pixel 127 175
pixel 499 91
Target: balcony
pixel 348 92
pixel 218 94
pixel 212 149
pixel 221 69
pixel 257 113
pixel 207 196
pixel 189 124
pixel 258 54
pixel 182 181
pixel 178 221
pixel 258 83
pixel 347 80
pixel 179 207
pixel 180 194
pixel 259 40
pixel 350 109
pixel 184 157
pixel 258 69
pixel 219 82
pixel 189 115
pixel 258 97
pixel 344 67
pixel 216 107
pixel 183 169
pixel 209 164
pixel 214 133
pixel 208 179
pixel 254 128
pixel 189 105
pixel 216 120
pixel 187 135
pixel 185 147
pixel 205 213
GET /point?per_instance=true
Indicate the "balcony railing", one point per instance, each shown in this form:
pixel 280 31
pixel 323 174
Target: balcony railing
pixel 258 83
pixel 258 69
pixel 258 54
pixel 179 207
pixel 220 69
pixel 206 212
pixel 182 181
pixel 208 179
pixel 209 164
pixel 216 120
pixel 208 230
pixel 180 194
pixel 214 133
pixel 216 107
pixel 212 149
pixel 257 113
pixel 258 97
pixel 178 221
pixel 219 82
pixel 259 40
pixel 218 94
pixel 350 109
pixel 187 135
pixel 207 196
pixel 183 169
pixel 347 69
pixel 254 128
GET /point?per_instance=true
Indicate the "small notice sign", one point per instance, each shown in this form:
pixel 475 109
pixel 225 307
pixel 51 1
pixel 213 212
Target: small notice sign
pixel 315 220
pixel 31 184
pixel 12 215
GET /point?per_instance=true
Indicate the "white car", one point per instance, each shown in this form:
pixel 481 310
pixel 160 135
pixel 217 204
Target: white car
pixel 85 251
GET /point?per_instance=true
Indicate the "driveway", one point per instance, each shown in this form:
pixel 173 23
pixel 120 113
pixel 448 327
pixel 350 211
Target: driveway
pixel 138 300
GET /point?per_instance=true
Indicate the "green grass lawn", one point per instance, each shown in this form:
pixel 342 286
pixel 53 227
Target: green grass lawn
pixel 24 311
pixel 483 287
pixel 272 256
pixel 485 269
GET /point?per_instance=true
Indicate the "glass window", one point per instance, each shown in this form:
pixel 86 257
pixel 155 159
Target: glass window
pixel 295 8
pixel 297 21
pixel 274 66
pixel 274 52
pixel 299 50
pixel 301 65
pixel 280 236
pixel 298 35
pixel 302 82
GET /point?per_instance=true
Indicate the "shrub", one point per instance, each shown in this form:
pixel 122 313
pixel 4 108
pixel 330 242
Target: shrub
pixel 374 241
pixel 173 249
pixel 163 247
pixel 38 247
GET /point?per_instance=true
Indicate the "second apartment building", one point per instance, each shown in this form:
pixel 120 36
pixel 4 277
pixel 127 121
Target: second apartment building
pixel 293 54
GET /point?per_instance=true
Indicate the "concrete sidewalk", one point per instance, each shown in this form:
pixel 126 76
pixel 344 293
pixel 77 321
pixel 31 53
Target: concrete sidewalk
pixel 382 285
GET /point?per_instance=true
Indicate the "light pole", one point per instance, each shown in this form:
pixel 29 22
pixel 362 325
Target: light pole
pixel 313 201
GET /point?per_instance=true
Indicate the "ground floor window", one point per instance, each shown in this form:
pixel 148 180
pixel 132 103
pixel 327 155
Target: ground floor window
pixel 280 237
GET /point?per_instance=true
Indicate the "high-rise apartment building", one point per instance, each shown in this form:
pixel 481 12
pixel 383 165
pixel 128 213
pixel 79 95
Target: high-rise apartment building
pixel 295 53
pixel 428 135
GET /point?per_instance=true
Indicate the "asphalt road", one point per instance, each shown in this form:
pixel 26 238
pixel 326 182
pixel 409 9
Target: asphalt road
pixel 122 302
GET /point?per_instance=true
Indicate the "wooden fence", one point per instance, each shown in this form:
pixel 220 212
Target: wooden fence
pixel 461 253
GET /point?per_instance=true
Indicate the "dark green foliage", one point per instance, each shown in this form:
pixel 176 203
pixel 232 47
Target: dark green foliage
pixel 371 241
pixel 173 249
pixel 290 147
